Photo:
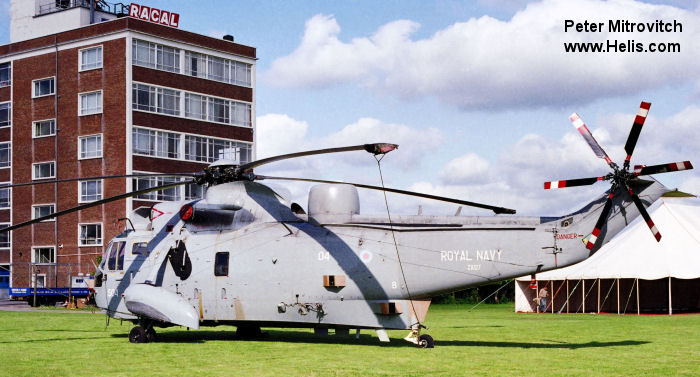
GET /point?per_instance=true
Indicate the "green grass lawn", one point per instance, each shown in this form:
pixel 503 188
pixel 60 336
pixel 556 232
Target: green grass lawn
pixel 491 340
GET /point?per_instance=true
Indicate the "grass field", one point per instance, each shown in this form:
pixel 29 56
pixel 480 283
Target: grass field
pixel 491 340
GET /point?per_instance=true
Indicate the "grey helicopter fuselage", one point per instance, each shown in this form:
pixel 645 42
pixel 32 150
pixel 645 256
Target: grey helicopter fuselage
pixel 242 256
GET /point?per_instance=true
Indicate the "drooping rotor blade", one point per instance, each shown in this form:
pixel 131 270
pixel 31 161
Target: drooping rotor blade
pixel 377 148
pixel 96 203
pixel 572 182
pixel 593 237
pixel 665 168
pixel 645 215
pixel 42 182
pixel 497 210
pixel 636 130
pixel 588 136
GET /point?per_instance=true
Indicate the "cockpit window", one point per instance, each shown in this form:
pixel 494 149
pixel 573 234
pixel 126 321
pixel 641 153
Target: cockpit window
pixel 116 256
pixel 120 259
pixel 111 257
pixel 139 248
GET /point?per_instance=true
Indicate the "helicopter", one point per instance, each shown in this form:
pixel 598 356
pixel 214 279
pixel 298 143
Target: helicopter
pixel 246 256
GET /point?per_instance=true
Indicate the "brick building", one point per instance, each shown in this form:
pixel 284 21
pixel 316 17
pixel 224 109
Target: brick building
pixel 118 96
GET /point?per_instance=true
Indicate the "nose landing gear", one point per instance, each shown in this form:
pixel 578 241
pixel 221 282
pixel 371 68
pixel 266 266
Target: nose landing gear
pixel 141 334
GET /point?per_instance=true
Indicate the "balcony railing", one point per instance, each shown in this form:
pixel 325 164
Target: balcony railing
pixel 100 5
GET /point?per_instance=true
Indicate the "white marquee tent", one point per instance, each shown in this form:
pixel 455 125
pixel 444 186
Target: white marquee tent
pixel 632 273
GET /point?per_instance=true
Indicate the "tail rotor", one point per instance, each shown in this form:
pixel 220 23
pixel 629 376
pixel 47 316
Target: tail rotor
pixel 622 179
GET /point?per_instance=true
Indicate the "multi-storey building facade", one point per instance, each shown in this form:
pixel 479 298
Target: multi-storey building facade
pixel 120 96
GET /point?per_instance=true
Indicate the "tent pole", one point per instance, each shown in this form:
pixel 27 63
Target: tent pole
pixel 551 299
pixel 618 295
pixel 637 296
pixel 567 296
pixel 583 294
pixel 598 295
pixel 670 311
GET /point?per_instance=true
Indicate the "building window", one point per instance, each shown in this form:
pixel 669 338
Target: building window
pixel 159 100
pixel 195 106
pixel 217 69
pixel 90 103
pixel 170 194
pixel 218 110
pixel 5 199
pixel 194 191
pixel 90 191
pixel 91 58
pixel 204 149
pixel 43 87
pixel 42 210
pixel 44 128
pixel 90 146
pixel 241 73
pixel 194 64
pixel 154 55
pixel 5 155
pixel 5 114
pixel 43 170
pixel 241 113
pixel 5 74
pixel 156 143
pixel 43 255
pixel 5 239
pixel 90 234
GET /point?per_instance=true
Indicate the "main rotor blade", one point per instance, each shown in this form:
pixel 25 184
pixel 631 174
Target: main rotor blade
pixel 588 136
pixel 636 130
pixel 572 182
pixel 97 177
pixel 593 237
pixel 645 215
pixel 95 203
pixel 665 168
pixel 495 209
pixel 377 148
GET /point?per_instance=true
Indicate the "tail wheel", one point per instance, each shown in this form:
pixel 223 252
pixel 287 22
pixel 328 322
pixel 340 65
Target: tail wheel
pixel 138 335
pixel 425 341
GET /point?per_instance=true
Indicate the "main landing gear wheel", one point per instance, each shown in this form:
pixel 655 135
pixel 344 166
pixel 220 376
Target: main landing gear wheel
pixel 138 335
pixel 151 335
pixel 425 341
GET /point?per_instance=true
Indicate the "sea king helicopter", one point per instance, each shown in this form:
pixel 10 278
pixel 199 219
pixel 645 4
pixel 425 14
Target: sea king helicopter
pixel 246 256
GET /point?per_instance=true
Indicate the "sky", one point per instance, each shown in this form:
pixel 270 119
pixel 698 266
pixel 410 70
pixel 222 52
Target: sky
pixel 477 94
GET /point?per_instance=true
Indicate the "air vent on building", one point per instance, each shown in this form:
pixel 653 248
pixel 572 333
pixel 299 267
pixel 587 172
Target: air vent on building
pixel 228 37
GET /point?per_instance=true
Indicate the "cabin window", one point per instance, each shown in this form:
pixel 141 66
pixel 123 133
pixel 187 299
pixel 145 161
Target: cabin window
pixel 221 264
pixel 139 248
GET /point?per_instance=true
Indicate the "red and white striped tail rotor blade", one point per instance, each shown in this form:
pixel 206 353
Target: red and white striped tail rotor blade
pixel 572 183
pixel 645 215
pixel 636 129
pixel 593 237
pixel 665 168
pixel 588 136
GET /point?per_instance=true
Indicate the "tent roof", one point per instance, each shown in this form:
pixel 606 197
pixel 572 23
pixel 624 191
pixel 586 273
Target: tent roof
pixel 634 253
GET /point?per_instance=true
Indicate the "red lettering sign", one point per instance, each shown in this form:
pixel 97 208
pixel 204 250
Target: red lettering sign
pixel 154 15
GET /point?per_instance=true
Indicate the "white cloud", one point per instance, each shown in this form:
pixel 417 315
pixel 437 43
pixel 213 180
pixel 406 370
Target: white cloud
pixel 514 180
pixel 279 134
pixel 464 169
pixel 487 63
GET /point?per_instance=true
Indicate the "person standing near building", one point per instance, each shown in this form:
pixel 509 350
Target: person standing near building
pixel 543 299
